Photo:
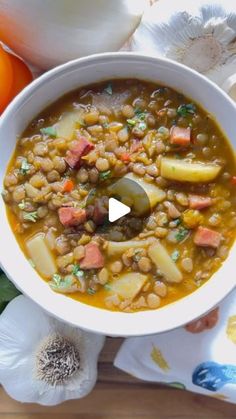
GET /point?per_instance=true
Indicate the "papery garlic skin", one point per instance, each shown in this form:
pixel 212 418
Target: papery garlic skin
pixel 23 327
pixel 51 32
pixel 200 34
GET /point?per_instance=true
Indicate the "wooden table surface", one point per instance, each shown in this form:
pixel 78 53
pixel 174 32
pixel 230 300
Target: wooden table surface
pixel 120 396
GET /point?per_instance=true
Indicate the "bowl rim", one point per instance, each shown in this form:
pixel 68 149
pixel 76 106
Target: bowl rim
pixel 140 323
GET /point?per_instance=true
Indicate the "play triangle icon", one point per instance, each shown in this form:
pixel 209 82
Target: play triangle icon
pixel 116 210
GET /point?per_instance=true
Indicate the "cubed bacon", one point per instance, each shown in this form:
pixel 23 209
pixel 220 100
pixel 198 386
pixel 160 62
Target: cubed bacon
pixel 81 148
pixel 199 202
pixel 70 216
pixel 93 258
pixel 206 237
pixel 100 213
pixel 180 136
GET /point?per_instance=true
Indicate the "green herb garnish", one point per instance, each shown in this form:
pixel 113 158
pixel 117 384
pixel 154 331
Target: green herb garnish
pixel 105 175
pixel 21 205
pixel 49 131
pixel 107 287
pixel 25 167
pixel 142 126
pixel 185 110
pixel 137 255
pixel 140 114
pixel 57 279
pixel 177 221
pixel 181 234
pixel 91 291
pixel 105 125
pixel 31 216
pixel 131 122
pixel 108 89
pixel 77 271
pixel 175 255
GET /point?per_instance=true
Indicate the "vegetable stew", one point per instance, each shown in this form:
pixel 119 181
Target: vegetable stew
pixel 57 194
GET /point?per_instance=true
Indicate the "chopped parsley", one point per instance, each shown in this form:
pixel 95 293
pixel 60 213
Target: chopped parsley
pixel 105 125
pixel 131 122
pixel 185 110
pixel 57 279
pixel 49 131
pixel 175 255
pixel 25 167
pixel 137 255
pixel 164 132
pixel 21 205
pixel 177 221
pixel 91 291
pixel 77 271
pixel 31 216
pixel 142 126
pixel 109 89
pixel 105 175
pixel 140 114
pixel 76 268
pixel 107 287
pixel 181 234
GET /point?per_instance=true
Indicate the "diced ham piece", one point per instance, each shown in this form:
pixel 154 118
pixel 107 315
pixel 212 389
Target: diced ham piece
pixel 199 202
pixel 100 213
pixel 70 216
pixel 180 136
pixel 81 148
pixel 93 258
pixel 206 237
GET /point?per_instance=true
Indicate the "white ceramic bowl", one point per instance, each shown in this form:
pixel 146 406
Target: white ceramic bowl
pixel 46 90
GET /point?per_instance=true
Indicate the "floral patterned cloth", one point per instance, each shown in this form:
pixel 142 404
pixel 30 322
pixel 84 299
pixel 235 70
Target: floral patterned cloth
pixel 200 357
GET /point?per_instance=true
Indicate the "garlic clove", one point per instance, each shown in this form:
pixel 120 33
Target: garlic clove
pixel 229 86
pixel 201 35
pixel 17 382
pixel 19 313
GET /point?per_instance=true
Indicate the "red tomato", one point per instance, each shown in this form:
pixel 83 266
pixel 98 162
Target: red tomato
pixel 21 75
pixel 6 78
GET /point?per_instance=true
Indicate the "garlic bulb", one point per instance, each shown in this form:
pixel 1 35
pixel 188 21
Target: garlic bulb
pixel 43 360
pixel 49 32
pixel 200 34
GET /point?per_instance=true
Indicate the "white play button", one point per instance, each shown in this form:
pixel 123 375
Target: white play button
pixel 117 210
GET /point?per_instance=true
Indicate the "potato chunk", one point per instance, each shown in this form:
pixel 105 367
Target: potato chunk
pixel 163 261
pixel 68 123
pixel 127 286
pixel 41 255
pixel 116 248
pixel 184 171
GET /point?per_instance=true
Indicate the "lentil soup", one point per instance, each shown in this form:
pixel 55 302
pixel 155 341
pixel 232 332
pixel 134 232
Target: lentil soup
pixel 66 162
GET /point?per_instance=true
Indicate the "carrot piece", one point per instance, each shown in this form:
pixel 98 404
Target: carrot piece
pixel 68 185
pixel 180 136
pixel 233 180
pixel 125 157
